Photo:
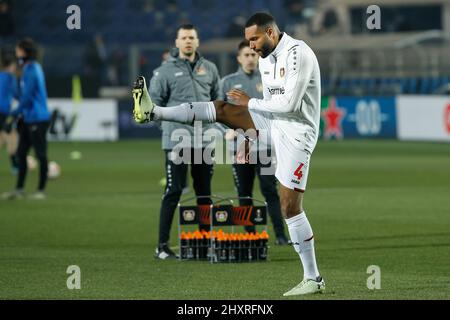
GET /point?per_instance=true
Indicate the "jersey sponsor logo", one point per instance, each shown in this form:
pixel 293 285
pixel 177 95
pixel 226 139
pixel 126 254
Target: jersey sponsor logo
pixel 237 86
pixel 295 181
pixel 282 72
pixel 275 91
pixel 178 74
pixel 447 118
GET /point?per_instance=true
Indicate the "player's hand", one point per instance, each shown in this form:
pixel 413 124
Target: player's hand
pixel 7 126
pixel 239 97
pixel 243 152
pixel 230 134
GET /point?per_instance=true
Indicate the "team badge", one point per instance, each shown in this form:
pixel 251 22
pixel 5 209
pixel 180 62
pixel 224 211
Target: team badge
pixel 282 72
pixel 201 71
pixel 189 215
pixel 221 216
pixel 259 87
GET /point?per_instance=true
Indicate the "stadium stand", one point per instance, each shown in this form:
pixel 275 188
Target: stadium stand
pixel 397 60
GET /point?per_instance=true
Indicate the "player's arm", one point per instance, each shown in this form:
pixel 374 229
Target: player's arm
pixel 26 95
pixel 7 126
pixel 15 88
pixel 224 85
pixel 298 76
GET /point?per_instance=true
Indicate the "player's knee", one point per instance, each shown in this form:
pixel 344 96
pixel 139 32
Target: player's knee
pixel 172 193
pixel 289 208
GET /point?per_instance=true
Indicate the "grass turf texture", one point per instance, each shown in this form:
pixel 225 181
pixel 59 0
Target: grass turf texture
pixel 381 203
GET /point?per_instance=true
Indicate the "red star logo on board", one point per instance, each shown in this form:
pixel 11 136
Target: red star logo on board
pixel 333 116
pixel 447 118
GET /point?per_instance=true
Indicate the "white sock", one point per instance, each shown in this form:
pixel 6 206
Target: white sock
pixel 303 239
pixel 187 113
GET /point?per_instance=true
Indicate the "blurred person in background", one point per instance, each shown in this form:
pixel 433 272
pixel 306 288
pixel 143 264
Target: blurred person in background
pixel 294 15
pixel 115 69
pixel 330 19
pixel 185 76
pixel 165 56
pixel 8 91
pixel 236 27
pixel 33 110
pixel 95 61
pixel 248 79
pixel 6 20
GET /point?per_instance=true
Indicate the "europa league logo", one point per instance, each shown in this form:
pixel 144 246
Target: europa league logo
pixel 258 217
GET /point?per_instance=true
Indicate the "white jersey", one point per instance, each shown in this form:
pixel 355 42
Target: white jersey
pixel 291 83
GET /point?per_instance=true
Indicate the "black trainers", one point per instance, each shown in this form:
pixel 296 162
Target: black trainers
pixel 282 241
pixel 163 252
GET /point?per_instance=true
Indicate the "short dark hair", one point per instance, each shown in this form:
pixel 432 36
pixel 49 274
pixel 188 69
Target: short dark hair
pixel 187 26
pixel 29 46
pixel 260 19
pixel 243 44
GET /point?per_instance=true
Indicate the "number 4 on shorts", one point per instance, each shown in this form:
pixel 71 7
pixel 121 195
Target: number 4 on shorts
pixel 298 173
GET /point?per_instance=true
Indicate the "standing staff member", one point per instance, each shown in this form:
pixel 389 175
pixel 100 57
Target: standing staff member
pixel 248 79
pixel 185 76
pixel 34 111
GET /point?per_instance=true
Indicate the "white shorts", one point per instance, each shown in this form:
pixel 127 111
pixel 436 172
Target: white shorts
pixel 292 160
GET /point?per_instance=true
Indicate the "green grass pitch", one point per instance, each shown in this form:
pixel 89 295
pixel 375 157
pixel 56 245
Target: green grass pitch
pixel 383 203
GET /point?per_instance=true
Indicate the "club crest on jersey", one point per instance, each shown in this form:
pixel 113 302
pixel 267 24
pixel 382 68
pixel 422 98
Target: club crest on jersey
pixel 259 87
pixel 201 71
pixel 282 72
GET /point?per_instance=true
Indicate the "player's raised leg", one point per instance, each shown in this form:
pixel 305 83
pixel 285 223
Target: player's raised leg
pixel 302 238
pixel 235 117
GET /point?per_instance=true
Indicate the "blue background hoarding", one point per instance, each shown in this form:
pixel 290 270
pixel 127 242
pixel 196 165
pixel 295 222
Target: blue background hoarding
pixel 130 129
pixel 360 117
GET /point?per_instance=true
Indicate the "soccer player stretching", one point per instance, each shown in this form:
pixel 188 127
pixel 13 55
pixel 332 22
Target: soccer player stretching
pixel 290 112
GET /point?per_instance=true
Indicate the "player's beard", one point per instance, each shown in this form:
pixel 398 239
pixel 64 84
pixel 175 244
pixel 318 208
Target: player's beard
pixel 266 49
